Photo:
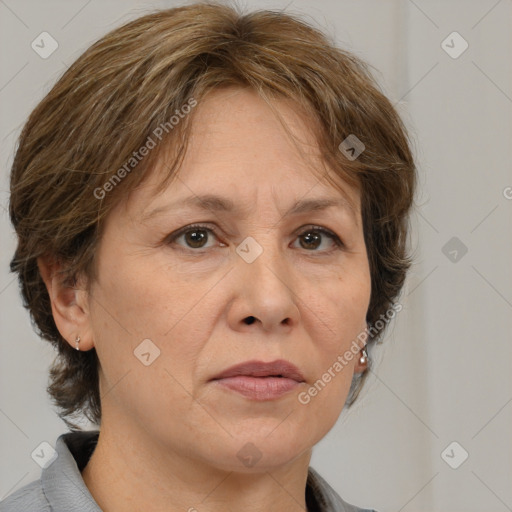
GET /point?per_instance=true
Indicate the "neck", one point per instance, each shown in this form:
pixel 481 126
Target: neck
pixel 128 471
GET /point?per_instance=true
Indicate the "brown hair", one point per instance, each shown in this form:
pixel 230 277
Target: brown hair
pixel 115 97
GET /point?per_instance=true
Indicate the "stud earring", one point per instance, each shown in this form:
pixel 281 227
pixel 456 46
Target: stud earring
pixel 364 358
pixel 77 342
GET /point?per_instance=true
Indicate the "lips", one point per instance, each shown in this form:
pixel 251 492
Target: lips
pixel 279 368
pixel 259 381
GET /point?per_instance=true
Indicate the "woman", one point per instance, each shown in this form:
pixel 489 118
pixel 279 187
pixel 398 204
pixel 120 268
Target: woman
pixel 211 210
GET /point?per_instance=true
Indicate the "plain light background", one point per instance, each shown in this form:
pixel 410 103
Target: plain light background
pixel 442 374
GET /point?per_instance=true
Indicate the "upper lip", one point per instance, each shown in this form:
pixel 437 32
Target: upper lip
pixel 277 368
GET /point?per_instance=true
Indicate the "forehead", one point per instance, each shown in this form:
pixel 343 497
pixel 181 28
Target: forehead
pixel 238 122
pixel 239 153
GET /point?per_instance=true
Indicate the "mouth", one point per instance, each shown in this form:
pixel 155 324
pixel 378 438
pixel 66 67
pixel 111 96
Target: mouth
pixel 261 381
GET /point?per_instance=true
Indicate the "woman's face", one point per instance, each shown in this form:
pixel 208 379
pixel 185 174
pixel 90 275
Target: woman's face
pixel 252 283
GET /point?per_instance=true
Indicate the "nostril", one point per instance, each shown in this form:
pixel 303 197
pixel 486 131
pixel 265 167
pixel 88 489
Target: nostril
pixel 249 320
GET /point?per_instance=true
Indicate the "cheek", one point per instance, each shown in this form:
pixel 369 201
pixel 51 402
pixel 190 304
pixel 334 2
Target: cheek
pixel 340 306
pixel 142 298
pixel 337 316
pixel 136 302
pixel 147 343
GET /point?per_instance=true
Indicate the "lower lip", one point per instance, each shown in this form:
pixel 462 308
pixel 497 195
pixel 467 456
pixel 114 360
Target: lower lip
pixel 259 388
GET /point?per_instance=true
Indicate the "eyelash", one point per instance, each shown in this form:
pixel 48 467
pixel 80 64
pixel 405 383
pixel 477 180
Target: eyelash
pixel 172 238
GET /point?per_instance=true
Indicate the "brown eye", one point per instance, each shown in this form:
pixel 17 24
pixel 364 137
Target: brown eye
pixel 194 237
pixel 312 240
pixel 313 237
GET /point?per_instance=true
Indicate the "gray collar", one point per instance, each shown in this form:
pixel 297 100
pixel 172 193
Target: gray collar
pixel 62 481
pixel 63 484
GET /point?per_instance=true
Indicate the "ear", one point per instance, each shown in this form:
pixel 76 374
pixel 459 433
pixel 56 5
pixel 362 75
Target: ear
pixel 70 303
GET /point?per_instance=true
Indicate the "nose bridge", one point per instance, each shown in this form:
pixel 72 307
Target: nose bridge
pixel 265 279
pixel 262 254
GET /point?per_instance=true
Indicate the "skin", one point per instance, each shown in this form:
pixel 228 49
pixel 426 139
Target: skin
pixel 169 438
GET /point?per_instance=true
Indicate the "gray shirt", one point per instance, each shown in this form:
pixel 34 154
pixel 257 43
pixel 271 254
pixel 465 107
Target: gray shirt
pixel 62 489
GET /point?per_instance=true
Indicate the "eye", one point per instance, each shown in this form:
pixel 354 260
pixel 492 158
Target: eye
pixel 313 238
pixel 196 236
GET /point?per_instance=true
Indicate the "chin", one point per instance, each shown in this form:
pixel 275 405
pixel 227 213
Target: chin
pixel 259 452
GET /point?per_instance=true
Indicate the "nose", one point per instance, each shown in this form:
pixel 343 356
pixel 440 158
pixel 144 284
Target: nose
pixel 264 297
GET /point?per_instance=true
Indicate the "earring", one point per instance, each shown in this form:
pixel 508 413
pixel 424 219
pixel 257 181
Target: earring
pixel 77 342
pixel 364 358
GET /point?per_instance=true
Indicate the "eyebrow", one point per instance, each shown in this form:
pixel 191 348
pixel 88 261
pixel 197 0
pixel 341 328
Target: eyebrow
pixel 210 202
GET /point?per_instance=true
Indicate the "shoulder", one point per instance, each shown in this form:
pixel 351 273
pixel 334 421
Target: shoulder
pixel 29 498
pixel 60 486
pixel 321 497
